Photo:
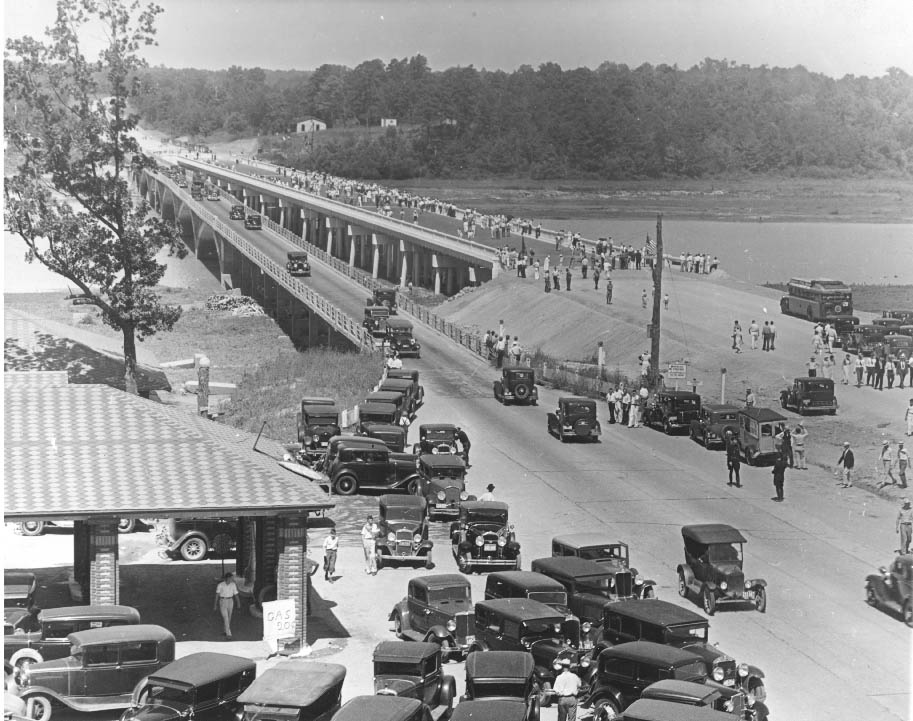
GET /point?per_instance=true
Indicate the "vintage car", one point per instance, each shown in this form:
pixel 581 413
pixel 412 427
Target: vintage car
pixel 181 182
pixel 213 194
pixel 904 315
pixel 201 686
pixel 384 297
pixel 482 540
pixel 413 670
pixel 19 589
pixel 294 690
pixel 383 708
pixel 252 221
pixel 436 438
pixel 623 672
pixel 37 528
pixel 671 625
pixel 651 709
pixel 237 212
pixel 865 338
pixel 501 685
pixel 810 395
pixel 396 437
pixel 396 398
pixel 896 342
pixel 413 375
pixel 758 428
pixel 888 323
pixel 297 265
pixel 600 548
pixel 316 425
pixel 387 413
pixel 710 427
pixel 673 410
pixel 439 609
pixel 194 539
pixel 375 321
pixel 51 640
pixel 516 385
pixel 103 668
pixel 906 330
pixel 406 387
pixel 527 584
pixel 520 624
pixel 845 327
pixel 398 335
pixel 709 695
pixel 893 589
pixel 403 531
pixel 355 463
pixel 713 568
pixel 575 417
pixel 443 484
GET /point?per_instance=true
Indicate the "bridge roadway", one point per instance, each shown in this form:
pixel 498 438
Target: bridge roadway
pixel 427 257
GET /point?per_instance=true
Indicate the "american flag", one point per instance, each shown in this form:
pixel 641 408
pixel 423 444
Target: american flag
pixel 651 246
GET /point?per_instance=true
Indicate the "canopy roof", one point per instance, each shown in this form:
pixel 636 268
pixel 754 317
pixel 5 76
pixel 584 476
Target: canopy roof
pixel 405 650
pixel 571 567
pixel 713 533
pixel 293 683
pixel 649 652
pixel 493 665
pixel 661 613
pixel 197 669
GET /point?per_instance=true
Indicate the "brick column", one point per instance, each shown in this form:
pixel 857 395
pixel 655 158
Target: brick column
pixel 104 573
pixel 291 577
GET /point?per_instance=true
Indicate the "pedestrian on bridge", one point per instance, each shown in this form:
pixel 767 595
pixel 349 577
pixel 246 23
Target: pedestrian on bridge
pixel 908 417
pixel 903 462
pixel 904 526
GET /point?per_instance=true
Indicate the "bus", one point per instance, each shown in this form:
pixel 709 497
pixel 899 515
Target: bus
pixel 817 300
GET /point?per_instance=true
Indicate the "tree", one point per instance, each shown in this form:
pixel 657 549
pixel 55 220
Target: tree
pixel 69 199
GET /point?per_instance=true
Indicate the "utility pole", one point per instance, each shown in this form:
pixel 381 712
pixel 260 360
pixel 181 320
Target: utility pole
pixel 657 300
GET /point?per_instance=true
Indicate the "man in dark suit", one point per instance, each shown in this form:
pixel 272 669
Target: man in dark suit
pixel 845 465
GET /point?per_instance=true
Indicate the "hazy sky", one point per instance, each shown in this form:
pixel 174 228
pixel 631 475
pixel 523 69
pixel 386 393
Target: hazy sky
pixel 835 37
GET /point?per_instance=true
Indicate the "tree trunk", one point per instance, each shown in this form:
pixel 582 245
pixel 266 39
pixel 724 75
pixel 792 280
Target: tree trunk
pixel 130 360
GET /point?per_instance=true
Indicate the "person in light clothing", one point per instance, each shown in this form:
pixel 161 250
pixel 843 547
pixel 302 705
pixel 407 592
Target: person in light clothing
pixel 330 549
pixel 226 600
pixel 369 533
pixel 567 686
pixel 886 464
pixel 799 436
pixel 908 417
pixel 904 526
pixel 489 494
pixel 903 462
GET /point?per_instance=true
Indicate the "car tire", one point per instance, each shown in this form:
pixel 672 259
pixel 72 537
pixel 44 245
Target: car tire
pixel 606 709
pixel 650 592
pixel 448 694
pixel 667 428
pixel 429 564
pixel 908 613
pixel 412 487
pixel 39 707
pixel 760 600
pixel 870 597
pixel 31 528
pixel 708 601
pixel 682 586
pixel 398 626
pixel 346 485
pixel 582 428
pixel 126 525
pixel 193 549
pixel 23 662
pixel 521 391
pixel 379 561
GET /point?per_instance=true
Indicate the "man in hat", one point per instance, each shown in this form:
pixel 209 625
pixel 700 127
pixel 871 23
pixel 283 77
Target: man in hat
pixel 330 549
pixel 733 459
pixel 904 526
pixel 845 465
pixel 489 494
pixel 886 462
pixel 903 462
pixel 798 440
pixel 464 444
pixel 779 474
pixel 567 686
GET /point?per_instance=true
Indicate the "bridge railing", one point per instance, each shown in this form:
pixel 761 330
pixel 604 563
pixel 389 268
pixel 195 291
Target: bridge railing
pixel 337 319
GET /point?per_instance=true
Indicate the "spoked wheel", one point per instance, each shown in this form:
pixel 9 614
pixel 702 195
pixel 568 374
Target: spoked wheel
pixel 870 597
pixel 709 601
pixel 606 710
pixel 31 528
pixel 346 485
pixel 193 549
pixel 760 600
pixel 39 708
pixel 682 586
pixel 398 626
pixel 126 525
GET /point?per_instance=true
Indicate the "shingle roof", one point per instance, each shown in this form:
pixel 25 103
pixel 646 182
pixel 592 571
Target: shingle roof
pixel 101 452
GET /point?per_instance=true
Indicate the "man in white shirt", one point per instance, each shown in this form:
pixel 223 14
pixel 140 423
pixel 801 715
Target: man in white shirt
pixel 330 548
pixel 369 534
pixel 489 494
pixel 567 686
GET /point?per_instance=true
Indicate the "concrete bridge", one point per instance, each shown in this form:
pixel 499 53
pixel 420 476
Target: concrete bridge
pixel 389 249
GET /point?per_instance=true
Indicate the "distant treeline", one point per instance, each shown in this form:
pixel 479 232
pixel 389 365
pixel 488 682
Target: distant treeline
pixel 613 122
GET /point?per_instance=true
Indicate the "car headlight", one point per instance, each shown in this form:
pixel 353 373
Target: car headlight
pixel 316 437
pixel 723 585
pixel 452 448
pixel 673 418
pixel 502 541
pixel 612 582
pixel 464 496
pixel 391 536
pixel 584 662
pixel 718 674
pixel 417 538
pixel 480 541
pixel 557 665
pixel 441 495
pixel 451 625
pixel 638 580
pixel 586 626
pixel 747 585
pixel 743 670
pixel 434 451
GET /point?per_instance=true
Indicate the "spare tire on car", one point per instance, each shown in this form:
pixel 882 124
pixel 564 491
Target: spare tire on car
pixel 583 428
pixel 521 391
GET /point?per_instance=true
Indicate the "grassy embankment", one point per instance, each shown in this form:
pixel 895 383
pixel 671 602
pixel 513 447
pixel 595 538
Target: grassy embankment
pixel 253 352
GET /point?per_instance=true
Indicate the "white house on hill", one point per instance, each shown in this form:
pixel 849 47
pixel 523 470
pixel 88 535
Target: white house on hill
pixel 309 125
pixel 388 122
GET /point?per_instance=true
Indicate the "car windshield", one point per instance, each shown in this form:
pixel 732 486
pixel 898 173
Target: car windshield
pixel 378 416
pixel 578 409
pixel 498 518
pixel 164 695
pixel 688 672
pixel 399 514
pixel 685 633
pixel 602 553
pixel 455 473
pixel 521 375
pixel 684 402
pixel 725 553
pixel 544 628
pixel 404 332
pixel 720 417
pixel 322 420
pixel 490 689
pixel 397 668
pixel 450 594
pixel 816 386
pixel 549 598
pixel 438 434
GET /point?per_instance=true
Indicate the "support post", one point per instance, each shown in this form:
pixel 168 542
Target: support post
pixel 657 300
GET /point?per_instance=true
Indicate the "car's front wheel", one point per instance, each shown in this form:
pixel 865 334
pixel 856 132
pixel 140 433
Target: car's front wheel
pixel 346 485
pixel 870 597
pixel 545 695
pixel 682 586
pixel 126 525
pixel 39 707
pixel 708 601
pixel 193 549
pixel 908 613
pixel 760 600
pixel 606 709
pixel 398 625
pixel 31 528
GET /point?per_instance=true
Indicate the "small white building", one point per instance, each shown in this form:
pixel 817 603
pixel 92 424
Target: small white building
pixel 388 122
pixel 309 125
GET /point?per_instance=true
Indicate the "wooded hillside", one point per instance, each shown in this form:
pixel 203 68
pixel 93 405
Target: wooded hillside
pixel 611 122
